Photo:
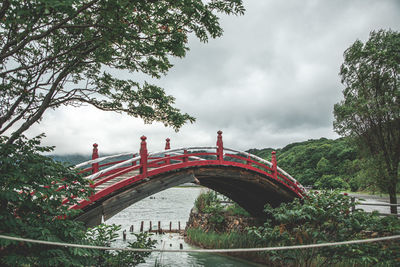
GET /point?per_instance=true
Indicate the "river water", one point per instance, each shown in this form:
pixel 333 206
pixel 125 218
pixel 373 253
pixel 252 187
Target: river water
pixel 171 205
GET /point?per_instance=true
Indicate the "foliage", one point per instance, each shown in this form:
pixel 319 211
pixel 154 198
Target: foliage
pixel 214 240
pixel 55 53
pixel 205 200
pixel 237 210
pixel 330 181
pixel 326 218
pixel 31 197
pixel 370 111
pixel 32 189
pixel 208 202
pixel 310 160
pixel 104 235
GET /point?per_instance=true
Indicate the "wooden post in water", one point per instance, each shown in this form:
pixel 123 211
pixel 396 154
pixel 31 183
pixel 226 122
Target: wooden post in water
pixel 151 227
pixel 131 229
pixel 141 226
pixel 179 226
pixel 124 235
pixel 159 227
pixel 170 226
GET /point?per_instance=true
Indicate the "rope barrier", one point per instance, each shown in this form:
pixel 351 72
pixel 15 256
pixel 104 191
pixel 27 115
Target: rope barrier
pixel 370 240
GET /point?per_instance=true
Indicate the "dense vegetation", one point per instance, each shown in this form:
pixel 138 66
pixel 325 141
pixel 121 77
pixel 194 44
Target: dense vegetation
pixel 319 218
pixel 326 164
pixel 32 189
pixel 370 110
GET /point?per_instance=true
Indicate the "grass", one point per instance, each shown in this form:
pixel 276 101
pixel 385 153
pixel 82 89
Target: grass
pixel 215 240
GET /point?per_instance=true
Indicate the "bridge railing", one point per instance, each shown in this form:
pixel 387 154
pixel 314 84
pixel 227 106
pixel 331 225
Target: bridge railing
pixel 144 164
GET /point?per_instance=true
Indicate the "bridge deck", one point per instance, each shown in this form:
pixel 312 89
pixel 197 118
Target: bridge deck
pixel 182 165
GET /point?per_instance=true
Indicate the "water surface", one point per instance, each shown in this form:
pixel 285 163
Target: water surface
pixel 171 205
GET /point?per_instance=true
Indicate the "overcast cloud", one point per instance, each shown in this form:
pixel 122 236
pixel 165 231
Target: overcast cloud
pixel 270 80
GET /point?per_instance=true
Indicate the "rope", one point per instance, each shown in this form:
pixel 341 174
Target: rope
pixel 205 250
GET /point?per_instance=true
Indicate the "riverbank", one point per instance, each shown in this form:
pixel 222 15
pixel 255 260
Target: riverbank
pixel 201 231
pixel 320 218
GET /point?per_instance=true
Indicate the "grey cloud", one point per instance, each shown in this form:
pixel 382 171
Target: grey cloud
pixel 270 80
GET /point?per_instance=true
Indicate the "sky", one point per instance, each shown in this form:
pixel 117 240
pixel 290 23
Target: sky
pixel 270 80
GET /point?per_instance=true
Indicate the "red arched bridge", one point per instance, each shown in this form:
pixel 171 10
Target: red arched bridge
pixel 245 178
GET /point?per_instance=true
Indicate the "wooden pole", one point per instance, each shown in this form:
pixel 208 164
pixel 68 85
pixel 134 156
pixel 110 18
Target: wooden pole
pixel 143 156
pixel 274 165
pixel 95 155
pixel 167 146
pixel 141 226
pixel 220 147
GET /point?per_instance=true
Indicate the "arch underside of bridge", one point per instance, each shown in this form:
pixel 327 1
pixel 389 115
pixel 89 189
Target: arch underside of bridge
pixel 249 189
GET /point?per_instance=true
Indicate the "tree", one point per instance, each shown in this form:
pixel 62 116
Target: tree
pixel 55 53
pixel 31 194
pixel 370 111
pixel 32 190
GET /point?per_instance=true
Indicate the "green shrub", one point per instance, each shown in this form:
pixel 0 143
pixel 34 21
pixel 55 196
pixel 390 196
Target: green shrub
pixel 31 207
pixel 331 182
pixel 205 200
pixel 237 210
pixel 326 218
pixel 104 235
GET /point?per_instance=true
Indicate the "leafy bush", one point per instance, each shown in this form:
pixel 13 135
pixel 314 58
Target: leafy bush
pixel 326 218
pixel 31 205
pixel 104 235
pixel 205 200
pixel 331 182
pixel 237 210
pixel 32 188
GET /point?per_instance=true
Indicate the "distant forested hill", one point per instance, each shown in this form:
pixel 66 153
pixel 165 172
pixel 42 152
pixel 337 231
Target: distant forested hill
pixel 71 159
pixel 322 163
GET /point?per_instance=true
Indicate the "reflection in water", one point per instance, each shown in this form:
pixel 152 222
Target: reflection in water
pixel 171 205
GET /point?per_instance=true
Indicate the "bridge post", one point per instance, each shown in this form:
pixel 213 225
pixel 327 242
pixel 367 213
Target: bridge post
pixel 95 155
pixel 220 147
pixel 143 156
pixel 185 158
pixel 167 146
pixel 274 165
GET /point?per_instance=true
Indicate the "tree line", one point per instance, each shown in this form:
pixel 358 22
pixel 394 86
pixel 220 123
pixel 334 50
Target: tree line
pixel 326 164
